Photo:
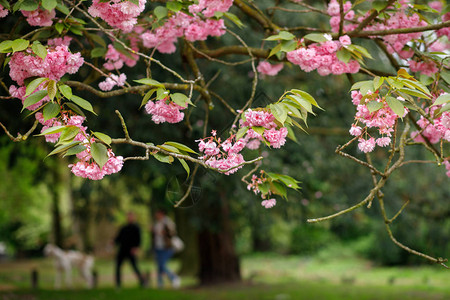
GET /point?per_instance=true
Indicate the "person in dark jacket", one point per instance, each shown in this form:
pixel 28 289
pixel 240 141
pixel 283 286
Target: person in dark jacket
pixel 128 240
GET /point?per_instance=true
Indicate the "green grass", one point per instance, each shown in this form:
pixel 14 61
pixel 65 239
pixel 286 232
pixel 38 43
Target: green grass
pixel 265 276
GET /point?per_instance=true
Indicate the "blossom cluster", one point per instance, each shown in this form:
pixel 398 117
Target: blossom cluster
pixel 164 110
pixel 117 13
pixel 267 68
pixel 111 81
pixel 209 7
pixel 115 60
pixel 39 17
pixel 222 155
pixel 383 119
pixel 3 11
pixel 425 67
pixel 86 168
pixel 56 64
pixel 261 118
pixel 334 11
pixel 254 186
pixel 436 131
pixel 322 57
pixel 193 28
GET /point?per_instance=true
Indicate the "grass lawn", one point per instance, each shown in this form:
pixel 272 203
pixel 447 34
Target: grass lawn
pixel 266 276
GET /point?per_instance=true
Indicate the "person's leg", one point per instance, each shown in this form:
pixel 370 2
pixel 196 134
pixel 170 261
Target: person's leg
pixel 163 258
pixel 160 262
pixel 133 260
pixel 119 259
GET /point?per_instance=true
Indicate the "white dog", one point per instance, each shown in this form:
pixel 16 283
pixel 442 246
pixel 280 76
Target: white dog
pixel 66 260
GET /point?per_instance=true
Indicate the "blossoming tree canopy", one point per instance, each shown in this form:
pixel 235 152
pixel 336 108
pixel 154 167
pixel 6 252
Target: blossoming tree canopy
pixel 44 56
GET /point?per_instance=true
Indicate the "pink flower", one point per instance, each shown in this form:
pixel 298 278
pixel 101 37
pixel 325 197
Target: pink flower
pixel 437 5
pixel 39 17
pixel 384 141
pixel 269 203
pixel 345 40
pixel 162 112
pixel 333 8
pixel 276 138
pixel 266 68
pixel 112 81
pixel 366 146
pixel 3 11
pixel 355 130
pixel 259 118
pixel 118 14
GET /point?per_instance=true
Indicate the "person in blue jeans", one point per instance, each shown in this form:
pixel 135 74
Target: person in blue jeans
pixel 162 232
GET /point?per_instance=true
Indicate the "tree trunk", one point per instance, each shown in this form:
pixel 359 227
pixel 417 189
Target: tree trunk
pixel 218 260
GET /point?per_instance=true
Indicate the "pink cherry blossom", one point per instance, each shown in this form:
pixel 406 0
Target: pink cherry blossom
pixel 269 203
pixel 3 11
pixel 112 81
pixel 39 17
pixel 266 68
pixel 162 111
pixel 366 146
pixel 276 138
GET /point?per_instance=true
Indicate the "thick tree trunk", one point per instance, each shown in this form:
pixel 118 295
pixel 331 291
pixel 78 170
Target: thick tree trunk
pixel 218 260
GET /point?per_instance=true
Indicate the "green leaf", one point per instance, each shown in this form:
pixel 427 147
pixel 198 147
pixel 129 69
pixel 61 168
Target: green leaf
pixel 150 82
pixel 20 45
pixel 287 180
pixel 278 189
pixel 414 84
pixel 416 93
pixel 68 134
pixel 98 52
pixel 5 4
pixel 147 96
pixel 180 146
pixel 6 46
pixel 360 84
pixel 442 99
pixel 75 108
pixel 241 132
pixel 379 5
pixel 288 46
pixel 301 101
pixel 28 5
pixel 360 49
pixel 316 37
pixel 445 75
pixel 48 4
pixel 63 148
pixel 59 27
pixel 169 148
pixel 34 98
pixel 396 106
pixel 279 112
pixel 259 130
pixel 374 106
pixel 233 18
pixel 174 6
pixel 98 39
pixel 65 90
pixel 264 188
pixel 343 55
pixel 39 50
pixel 75 150
pixel 32 86
pixel 377 82
pixel 307 97
pixel 51 89
pixel 103 137
pixel 163 158
pixel 99 153
pixel 275 50
pixel 76 29
pixel 185 166
pixel 180 99
pixel 52 130
pixel 160 12
pixel 50 111
pixel 282 35
pixel 83 103
pixel 292 110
